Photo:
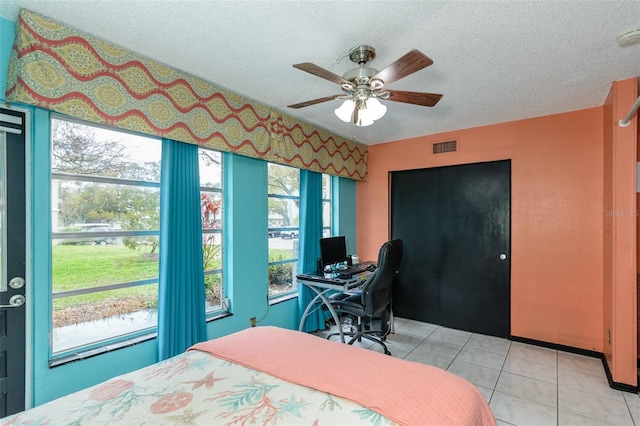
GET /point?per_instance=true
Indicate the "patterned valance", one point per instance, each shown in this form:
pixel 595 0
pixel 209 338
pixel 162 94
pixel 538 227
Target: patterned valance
pixel 58 68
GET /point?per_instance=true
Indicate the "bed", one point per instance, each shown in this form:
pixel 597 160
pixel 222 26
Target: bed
pixel 271 376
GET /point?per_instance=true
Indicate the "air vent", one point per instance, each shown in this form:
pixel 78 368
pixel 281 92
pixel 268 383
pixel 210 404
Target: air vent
pixel 441 147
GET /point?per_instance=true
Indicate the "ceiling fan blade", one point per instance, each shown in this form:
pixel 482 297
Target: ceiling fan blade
pixel 322 73
pixel 313 101
pixel 408 64
pixel 416 98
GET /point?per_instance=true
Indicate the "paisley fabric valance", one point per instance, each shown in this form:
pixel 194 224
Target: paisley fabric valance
pixel 58 68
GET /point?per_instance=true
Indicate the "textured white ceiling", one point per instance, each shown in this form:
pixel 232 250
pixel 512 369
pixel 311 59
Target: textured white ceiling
pixel 493 61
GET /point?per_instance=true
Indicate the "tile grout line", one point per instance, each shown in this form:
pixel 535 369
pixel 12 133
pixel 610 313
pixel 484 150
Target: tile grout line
pixel 421 342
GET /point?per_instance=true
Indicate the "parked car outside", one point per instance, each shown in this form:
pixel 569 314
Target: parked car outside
pixel 99 240
pixel 289 234
pixel 273 234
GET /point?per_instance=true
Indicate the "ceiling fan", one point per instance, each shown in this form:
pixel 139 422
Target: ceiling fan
pixel 363 86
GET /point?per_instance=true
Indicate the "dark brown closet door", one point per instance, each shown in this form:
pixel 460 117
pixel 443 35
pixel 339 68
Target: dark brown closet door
pixel 455 225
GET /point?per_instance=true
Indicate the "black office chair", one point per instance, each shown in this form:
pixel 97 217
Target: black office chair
pixel 375 299
pixel 386 320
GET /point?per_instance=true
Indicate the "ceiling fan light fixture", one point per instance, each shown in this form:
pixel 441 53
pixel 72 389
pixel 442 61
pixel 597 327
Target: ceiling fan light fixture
pixel 364 118
pixel 369 110
pixel 376 109
pixel 345 111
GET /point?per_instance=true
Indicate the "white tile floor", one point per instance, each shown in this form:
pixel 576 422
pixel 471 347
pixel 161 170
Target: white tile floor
pixel 524 384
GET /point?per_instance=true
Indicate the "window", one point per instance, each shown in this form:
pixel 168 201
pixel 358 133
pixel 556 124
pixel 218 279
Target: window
pixel 105 199
pixel 211 204
pixel 327 211
pixel 283 232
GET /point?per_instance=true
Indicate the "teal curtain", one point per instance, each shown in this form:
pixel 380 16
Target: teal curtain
pixel 310 233
pixel 181 308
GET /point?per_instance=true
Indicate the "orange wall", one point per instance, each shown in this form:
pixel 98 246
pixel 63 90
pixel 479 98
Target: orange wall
pixel 638 203
pixel 557 215
pixel 607 253
pixel 620 261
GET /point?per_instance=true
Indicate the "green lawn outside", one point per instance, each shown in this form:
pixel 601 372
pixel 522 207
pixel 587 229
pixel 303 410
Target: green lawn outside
pixel 85 266
pixel 280 254
pixel 81 266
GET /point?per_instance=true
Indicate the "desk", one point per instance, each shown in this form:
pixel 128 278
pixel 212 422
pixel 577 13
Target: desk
pixel 321 284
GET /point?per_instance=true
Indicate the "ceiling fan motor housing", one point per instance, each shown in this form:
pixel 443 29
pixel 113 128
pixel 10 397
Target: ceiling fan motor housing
pixel 361 73
pixel 362 54
pixel 363 85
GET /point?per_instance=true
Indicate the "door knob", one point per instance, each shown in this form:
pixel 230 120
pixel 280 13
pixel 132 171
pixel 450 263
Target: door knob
pixel 16 301
pixel 503 256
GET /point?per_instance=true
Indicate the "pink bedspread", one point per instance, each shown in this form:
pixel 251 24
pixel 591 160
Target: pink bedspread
pixel 405 392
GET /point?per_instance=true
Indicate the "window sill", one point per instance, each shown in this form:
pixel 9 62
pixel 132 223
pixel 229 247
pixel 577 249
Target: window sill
pixel 89 353
pixel 282 298
pixel 218 315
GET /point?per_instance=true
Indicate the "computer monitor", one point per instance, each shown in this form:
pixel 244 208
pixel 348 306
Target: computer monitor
pixel 333 250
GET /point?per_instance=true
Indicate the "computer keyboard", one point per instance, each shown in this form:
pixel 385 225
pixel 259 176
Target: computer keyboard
pixel 311 277
pixel 353 270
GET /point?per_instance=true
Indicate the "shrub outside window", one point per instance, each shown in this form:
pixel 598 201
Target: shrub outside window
pixel 211 206
pixel 327 229
pixel 283 228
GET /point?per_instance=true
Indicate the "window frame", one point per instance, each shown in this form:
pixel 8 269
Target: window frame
pixel 223 307
pixel 293 292
pixel 329 202
pixel 92 346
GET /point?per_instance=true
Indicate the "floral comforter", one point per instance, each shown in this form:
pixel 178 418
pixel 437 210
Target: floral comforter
pixel 196 388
